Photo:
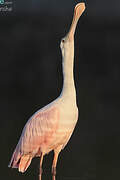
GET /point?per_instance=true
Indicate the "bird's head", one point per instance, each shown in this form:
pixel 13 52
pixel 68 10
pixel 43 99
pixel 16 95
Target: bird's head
pixel 68 40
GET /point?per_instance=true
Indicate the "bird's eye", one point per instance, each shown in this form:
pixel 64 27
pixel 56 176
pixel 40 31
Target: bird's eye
pixel 63 40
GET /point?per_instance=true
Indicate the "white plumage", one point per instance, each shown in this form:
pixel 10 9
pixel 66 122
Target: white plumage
pixel 51 127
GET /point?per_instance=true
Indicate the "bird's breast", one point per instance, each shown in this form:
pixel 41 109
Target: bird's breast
pixel 67 122
pixel 68 116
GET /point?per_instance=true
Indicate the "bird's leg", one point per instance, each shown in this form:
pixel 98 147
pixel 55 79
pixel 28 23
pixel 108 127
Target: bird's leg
pixel 40 170
pixel 56 153
pixel 54 165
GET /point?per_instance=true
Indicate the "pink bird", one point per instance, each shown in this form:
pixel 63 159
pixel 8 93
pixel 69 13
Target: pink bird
pixel 51 127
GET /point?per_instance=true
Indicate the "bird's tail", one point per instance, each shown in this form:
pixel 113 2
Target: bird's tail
pixel 20 161
pixel 24 163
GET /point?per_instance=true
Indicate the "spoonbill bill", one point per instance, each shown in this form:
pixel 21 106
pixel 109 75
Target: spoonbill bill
pixel 51 127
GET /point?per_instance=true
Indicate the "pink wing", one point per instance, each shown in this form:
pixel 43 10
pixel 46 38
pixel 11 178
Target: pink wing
pixel 36 136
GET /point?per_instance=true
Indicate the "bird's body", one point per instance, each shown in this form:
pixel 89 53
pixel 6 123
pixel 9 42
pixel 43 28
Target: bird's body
pixel 48 129
pixel 51 127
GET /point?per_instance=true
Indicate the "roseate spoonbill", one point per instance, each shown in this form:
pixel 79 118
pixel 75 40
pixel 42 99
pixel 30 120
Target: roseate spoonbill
pixel 51 127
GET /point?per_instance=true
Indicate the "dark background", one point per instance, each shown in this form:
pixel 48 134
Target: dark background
pixel 31 77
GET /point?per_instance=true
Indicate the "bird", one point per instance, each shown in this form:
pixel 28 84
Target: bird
pixel 50 128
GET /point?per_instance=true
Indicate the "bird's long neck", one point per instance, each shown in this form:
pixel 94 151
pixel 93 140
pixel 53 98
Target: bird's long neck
pixel 68 75
pixel 67 47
